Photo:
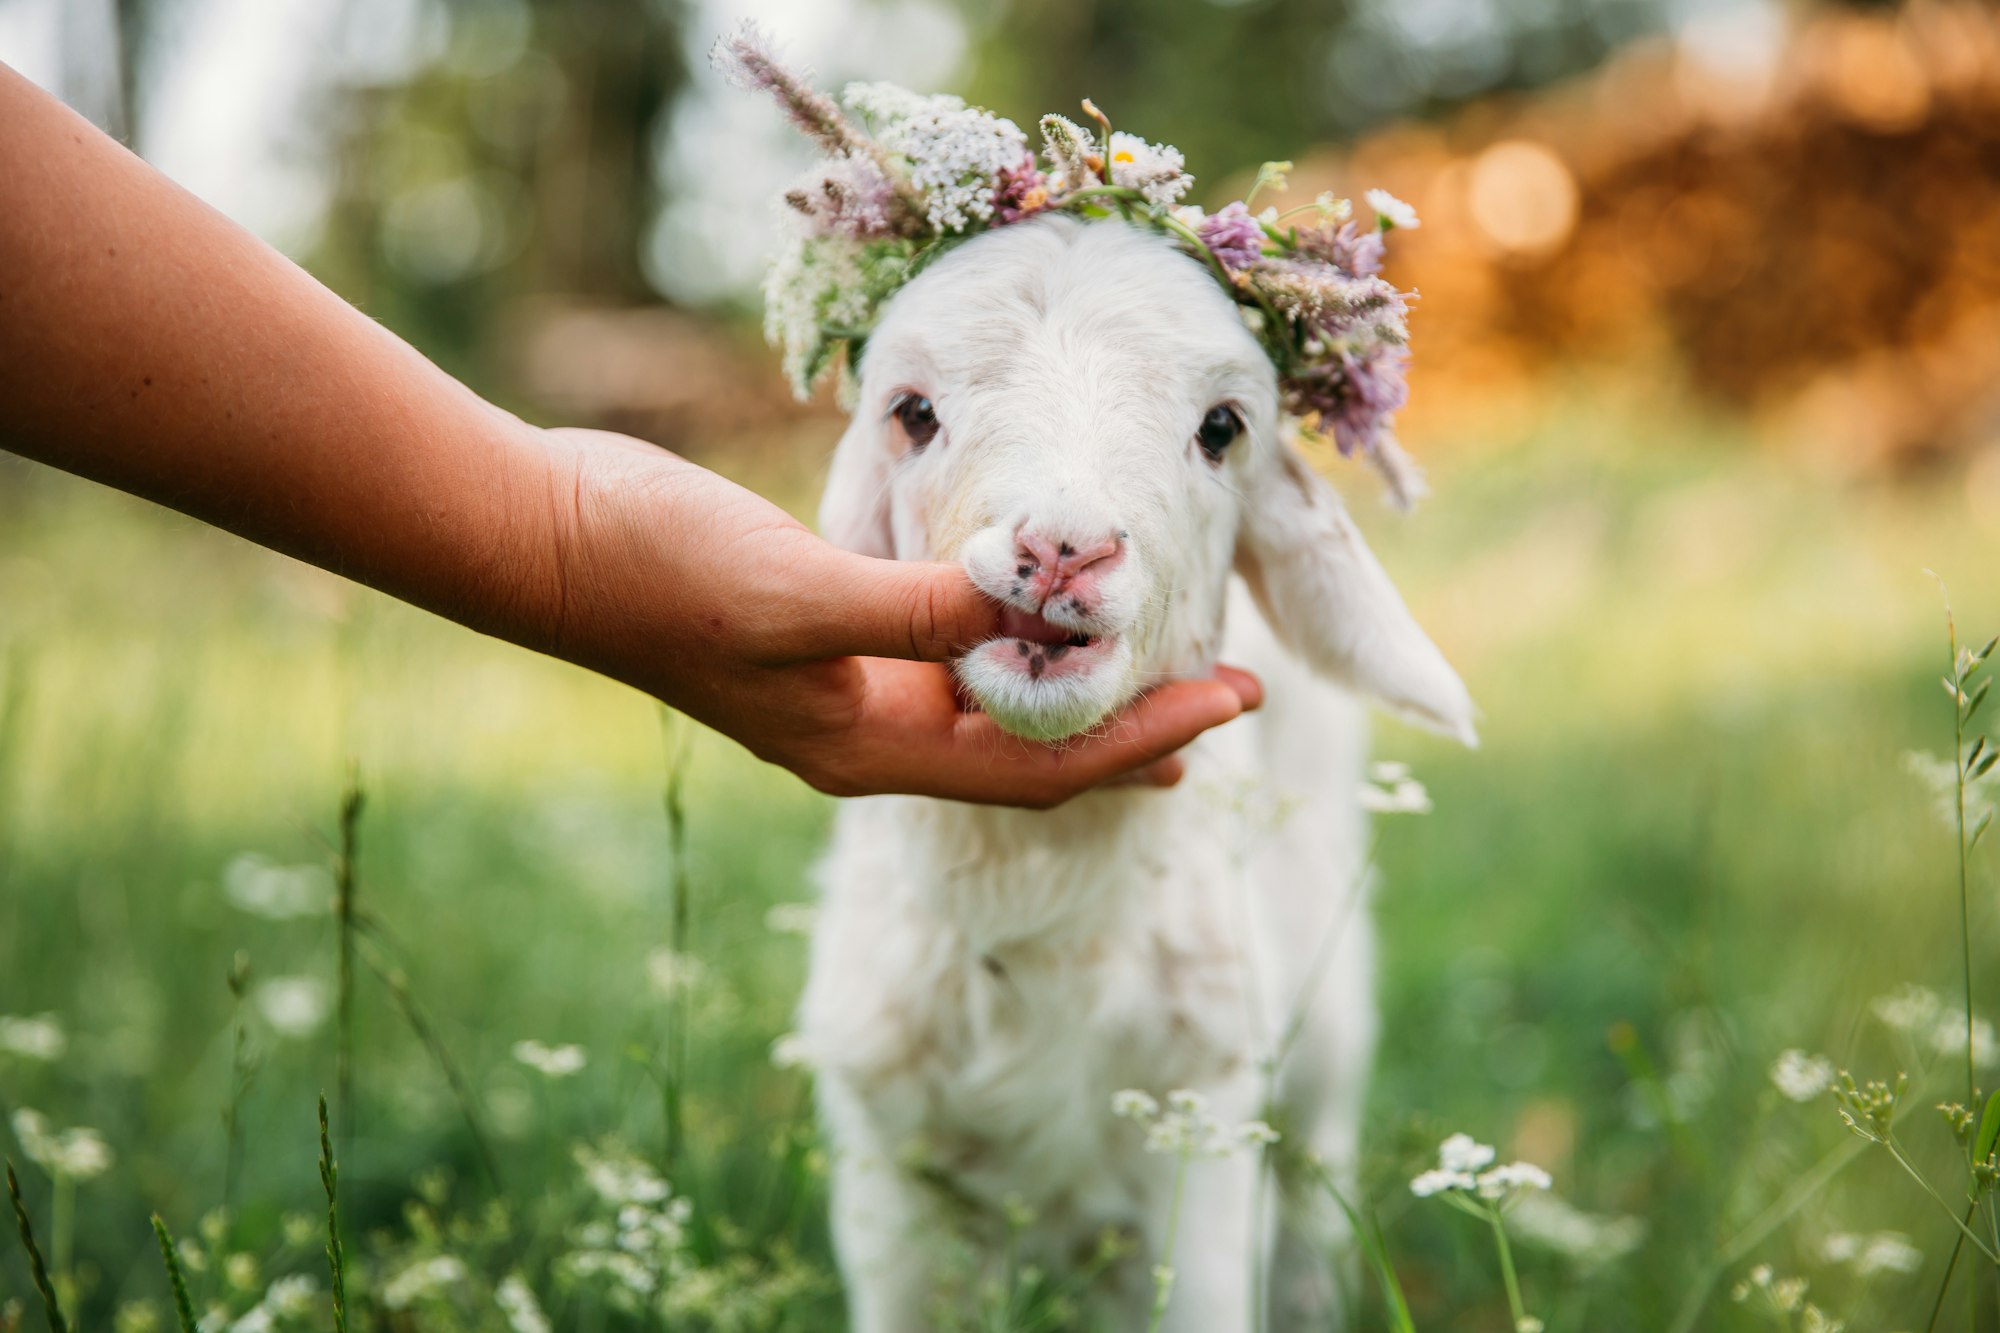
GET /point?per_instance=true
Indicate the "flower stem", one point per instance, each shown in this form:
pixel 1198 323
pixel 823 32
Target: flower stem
pixel 1163 1272
pixel 1507 1273
pixel 1965 1231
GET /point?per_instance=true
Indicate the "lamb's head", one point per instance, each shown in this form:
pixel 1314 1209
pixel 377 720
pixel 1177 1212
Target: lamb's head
pixel 1076 413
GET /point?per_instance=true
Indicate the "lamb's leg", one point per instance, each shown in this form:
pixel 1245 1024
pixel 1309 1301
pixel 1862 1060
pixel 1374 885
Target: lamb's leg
pixel 885 1234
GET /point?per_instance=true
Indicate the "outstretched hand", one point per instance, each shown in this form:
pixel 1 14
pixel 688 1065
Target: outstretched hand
pixel 828 663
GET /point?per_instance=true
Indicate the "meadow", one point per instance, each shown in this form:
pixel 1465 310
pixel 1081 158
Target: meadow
pixel 1691 842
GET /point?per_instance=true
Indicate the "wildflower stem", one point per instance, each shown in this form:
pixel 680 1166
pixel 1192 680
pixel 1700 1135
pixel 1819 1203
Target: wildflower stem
pixel 1163 1271
pixel 1965 1230
pixel 183 1307
pixel 50 1307
pixel 1507 1274
pixel 1951 1266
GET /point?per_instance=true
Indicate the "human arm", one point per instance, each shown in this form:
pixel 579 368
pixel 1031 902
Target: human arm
pixel 148 343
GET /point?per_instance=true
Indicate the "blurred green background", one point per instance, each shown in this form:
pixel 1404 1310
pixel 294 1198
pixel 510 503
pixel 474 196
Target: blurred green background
pixel 1705 381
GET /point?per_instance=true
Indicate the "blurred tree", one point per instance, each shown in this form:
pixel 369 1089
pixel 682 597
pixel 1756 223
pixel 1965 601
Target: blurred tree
pixel 516 160
pixel 1237 82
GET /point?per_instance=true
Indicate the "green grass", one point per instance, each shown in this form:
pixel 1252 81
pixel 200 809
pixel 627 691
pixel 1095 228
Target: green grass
pixel 1699 670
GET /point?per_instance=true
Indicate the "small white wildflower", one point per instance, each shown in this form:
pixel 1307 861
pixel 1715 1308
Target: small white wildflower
pixel 291 1297
pixel 239 1270
pixel 257 1319
pixel 255 884
pixel 37 1037
pixel 1155 170
pixel 1503 1182
pixel 791 918
pixel 1132 1104
pixel 1908 1009
pixel 421 1280
pixel 1438 1181
pixel 1269 216
pixel 76 1154
pixel 293 1006
pixel 1461 1152
pixel 673 973
pixel 1527 1324
pixel 1588 1238
pixel 1190 216
pixel 1332 208
pixel 1801 1077
pixel 1186 1101
pixel 1391 212
pixel 618 1178
pixel 1256 1134
pixel 1880 1252
pixel 551 1061
pixel 956 152
pixel 516 1300
pixel 1948 1037
pixel 300 1229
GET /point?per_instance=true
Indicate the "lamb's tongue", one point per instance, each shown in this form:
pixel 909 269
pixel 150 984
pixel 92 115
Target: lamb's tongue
pixel 1027 625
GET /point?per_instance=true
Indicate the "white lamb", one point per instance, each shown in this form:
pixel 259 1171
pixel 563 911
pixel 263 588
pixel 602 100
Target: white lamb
pixel 1076 413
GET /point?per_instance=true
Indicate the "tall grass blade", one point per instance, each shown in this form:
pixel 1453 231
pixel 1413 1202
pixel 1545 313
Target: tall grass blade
pixel 329 1179
pixel 183 1307
pixel 1373 1247
pixel 343 909
pixel 36 1268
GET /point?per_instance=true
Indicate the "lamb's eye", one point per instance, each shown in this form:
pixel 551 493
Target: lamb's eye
pixel 917 417
pixel 1219 430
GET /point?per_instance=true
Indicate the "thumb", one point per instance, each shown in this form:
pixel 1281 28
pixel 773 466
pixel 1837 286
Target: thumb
pixel 920 610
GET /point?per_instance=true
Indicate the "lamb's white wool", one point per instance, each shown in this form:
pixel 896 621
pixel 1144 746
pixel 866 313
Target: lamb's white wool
pixel 983 981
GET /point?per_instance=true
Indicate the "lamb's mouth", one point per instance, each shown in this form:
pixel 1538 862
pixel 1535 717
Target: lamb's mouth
pixel 1043 648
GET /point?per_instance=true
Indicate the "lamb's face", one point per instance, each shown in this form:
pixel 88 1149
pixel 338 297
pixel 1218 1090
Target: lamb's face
pixel 1076 413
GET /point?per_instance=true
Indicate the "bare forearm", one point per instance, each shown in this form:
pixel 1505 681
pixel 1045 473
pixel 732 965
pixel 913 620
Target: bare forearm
pixel 149 343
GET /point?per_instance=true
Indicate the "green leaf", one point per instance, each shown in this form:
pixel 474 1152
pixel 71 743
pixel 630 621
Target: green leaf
pixel 1978 698
pixel 1985 765
pixel 1987 651
pixel 1978 748
pixel 1989 1130
pixel 1985 823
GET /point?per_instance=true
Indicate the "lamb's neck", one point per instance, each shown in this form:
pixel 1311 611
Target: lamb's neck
pixel 1049 877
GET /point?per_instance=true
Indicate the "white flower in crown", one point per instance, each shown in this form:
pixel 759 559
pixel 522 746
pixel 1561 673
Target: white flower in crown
pixel 905 174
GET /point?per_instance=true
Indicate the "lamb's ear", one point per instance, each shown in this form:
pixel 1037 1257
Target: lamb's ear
pixel 1330 600
pixel 854 508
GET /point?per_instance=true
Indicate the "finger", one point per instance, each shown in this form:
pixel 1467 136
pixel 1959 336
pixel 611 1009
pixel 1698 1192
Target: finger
pixel 915 610
pixel 1248 688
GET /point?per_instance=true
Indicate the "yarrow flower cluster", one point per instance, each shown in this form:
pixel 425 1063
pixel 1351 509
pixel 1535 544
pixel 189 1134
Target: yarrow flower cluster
pixel 1465 1168
pixel 1186 1127
pixel 927 171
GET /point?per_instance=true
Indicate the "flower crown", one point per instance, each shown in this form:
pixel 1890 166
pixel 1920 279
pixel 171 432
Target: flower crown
pixel 929 172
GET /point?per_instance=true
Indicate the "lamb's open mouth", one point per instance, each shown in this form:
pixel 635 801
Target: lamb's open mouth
pixel 1042 648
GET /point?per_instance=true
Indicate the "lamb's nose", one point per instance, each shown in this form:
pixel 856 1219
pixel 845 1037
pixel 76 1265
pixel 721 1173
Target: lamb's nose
pixel 1051 565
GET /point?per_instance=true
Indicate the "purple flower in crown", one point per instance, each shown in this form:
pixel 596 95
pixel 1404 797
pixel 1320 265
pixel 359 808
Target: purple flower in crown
pixel 1354 393
pixel 1350 248
pixel 1234 236
pixel 1020 192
